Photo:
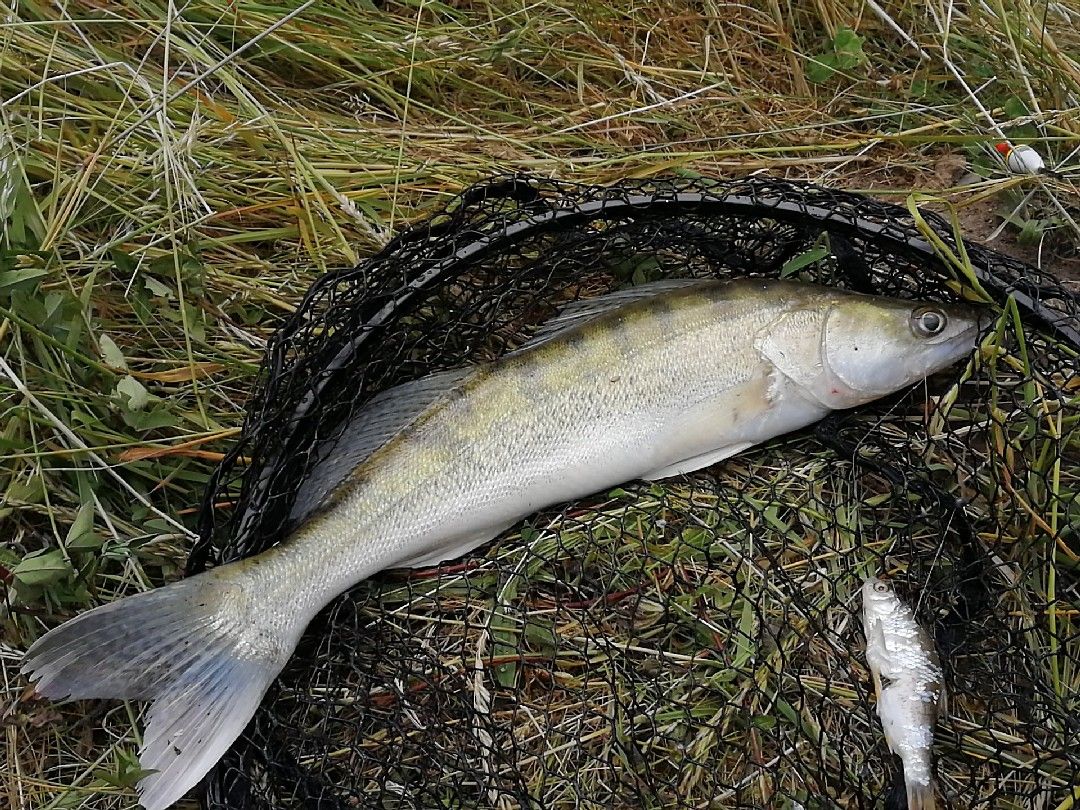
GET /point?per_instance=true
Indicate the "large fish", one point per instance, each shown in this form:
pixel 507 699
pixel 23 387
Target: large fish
pixel 646 383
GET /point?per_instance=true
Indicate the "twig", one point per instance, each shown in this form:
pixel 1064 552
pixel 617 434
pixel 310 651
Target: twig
pixel 648 107
pixel 895 26
pixel 943 28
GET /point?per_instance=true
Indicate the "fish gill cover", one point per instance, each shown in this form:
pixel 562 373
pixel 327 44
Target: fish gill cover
pixel 694 643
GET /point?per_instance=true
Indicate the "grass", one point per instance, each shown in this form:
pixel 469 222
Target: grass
pixel 173 177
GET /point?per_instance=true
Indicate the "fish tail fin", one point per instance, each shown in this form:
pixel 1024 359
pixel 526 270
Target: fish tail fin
pixel 921 796
pixel 194 649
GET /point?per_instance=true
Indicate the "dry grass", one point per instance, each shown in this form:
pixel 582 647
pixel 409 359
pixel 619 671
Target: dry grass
pixel 173 177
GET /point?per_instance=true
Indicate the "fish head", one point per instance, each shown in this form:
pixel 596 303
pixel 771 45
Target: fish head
pixel 872 346
pixel 876 593
pixel 876 596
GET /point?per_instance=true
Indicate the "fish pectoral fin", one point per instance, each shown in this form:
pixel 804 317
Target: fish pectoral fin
pixel 876 650
pixel 877 683
pixel 781 345
pixel 431 559
pixel 697 462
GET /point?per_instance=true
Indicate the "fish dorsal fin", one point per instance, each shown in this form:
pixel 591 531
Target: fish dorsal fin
pixel 588 309
pixel 369 429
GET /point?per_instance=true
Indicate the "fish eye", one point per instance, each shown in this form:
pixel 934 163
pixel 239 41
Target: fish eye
pixel 928 321
pixel 881 587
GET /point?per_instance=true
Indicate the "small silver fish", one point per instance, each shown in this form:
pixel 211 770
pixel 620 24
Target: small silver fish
pixel 650 382
pixel 908 682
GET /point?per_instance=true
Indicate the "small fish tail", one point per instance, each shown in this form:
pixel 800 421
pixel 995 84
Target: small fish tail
pixel 190 650
pixel 921 796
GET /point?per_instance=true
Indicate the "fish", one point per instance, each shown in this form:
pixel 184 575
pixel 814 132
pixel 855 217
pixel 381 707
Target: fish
pixel 645 383
pixel 909 686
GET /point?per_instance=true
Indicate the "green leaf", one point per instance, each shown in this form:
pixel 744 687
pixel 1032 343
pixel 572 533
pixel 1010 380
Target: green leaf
pixel 81 535
pixel 111 353
pixel 72 592
pixel 27 304
pixel 843 53
pixel 1015 108
pixel 89 541
pixel 920 88
pixel 164 266
pixel 132 393
pixel 540 634
pixel 503 632
pixel 764 722
pixel 125 264
pixel 808 257
pixel 9 278
pixel 8 558
pixel 848 47
pixel 29 491
pixel 744 637
pixel 150 419
pixel 820 249
pixel 821 68
pixel 156 288
pixel 83 523
pixel 126 772
pixel 1031 232
pixel 636 269
pixel 43 568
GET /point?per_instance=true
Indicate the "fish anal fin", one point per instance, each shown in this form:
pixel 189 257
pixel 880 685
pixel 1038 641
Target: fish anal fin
pixel 890 710
pixel 460 548
pixel 688 465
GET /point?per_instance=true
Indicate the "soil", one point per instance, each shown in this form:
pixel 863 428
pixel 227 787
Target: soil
pixel 980 221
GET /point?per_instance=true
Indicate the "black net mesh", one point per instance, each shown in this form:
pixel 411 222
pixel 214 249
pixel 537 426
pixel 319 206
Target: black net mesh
pixel 695 644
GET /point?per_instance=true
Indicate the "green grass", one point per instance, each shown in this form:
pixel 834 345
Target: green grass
pixel 173 178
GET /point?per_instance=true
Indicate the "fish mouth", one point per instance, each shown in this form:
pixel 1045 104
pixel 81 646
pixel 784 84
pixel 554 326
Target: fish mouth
pixel 978 320
pixel 982 318
pixel 983 313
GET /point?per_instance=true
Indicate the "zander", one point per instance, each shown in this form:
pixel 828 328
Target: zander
pixel 653 381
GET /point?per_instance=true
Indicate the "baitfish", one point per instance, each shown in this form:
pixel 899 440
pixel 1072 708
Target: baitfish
pixel 650 382
pixel 908 682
